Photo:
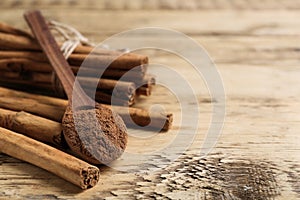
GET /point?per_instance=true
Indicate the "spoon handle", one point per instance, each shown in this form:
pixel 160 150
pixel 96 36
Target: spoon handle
pixel 40 29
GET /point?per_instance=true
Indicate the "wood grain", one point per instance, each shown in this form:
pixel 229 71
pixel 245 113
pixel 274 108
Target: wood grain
pixel 256 47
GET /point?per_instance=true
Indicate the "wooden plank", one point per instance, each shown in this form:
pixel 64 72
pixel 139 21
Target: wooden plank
pixel 267 136
pixel 257 155
pixel 213 22
pixel 272 51
pixel 153 4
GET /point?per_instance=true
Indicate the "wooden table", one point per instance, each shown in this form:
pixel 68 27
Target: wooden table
pixel 256 46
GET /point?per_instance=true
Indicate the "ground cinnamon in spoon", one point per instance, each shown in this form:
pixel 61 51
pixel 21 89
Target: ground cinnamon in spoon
pixel 98 142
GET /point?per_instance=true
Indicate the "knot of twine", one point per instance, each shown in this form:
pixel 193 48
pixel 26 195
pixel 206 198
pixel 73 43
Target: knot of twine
pixel 72 37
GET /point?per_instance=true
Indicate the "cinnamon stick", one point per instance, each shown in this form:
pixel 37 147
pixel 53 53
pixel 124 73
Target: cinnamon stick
pixel 46 89
pixel 142 118
pixel 109 99
pixel 5 92
pixel 146 91
pixel 135 75
pixel 33 77
pixel 46 157
pixel 23 64
pixel 53 108
pixel 148 80
pixel 121 89
pixel 5 28
pixel 33 126
pixel 124 61
pixel 37 56
pixel 34 107
pixel 10 41
pixel 13 38
pixel 20 64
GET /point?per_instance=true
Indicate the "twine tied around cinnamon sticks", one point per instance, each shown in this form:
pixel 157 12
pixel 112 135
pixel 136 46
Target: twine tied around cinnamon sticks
pixel 22 63
pixel 72 37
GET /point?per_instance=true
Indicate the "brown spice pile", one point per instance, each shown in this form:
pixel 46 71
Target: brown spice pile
pixel 102 140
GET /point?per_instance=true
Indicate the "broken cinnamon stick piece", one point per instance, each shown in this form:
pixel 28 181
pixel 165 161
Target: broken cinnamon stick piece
pixel 46 157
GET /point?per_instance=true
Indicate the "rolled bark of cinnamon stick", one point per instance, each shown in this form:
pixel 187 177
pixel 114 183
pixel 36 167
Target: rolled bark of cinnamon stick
pixel 33 126
pixel 23 64
pixel 10 41
pixel 46 157
pixel 146 85
pixel 110 99
pixel 47 89
pixel 13 38
pixel 5 28
pixel 133 75
pixel 143 118
pixel 38 105
pixel 27 65
pixel 5 92
pixel 25 69
pixel 146 91
pixel 148 80
pixel 116 88
pixel 34 107
pixel 33 77
pixel 37 56
pixel 120 89
pixel 124 61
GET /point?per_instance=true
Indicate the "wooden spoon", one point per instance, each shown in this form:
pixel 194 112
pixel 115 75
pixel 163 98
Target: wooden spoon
pixel 92 131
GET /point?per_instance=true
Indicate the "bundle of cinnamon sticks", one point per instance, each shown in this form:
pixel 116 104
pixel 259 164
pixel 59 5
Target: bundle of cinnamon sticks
pixel 23 66
pixel 31 123
pixel 23 63
pixel 38 118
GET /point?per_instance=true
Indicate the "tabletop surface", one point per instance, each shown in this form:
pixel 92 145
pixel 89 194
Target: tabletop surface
pixel 255 46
